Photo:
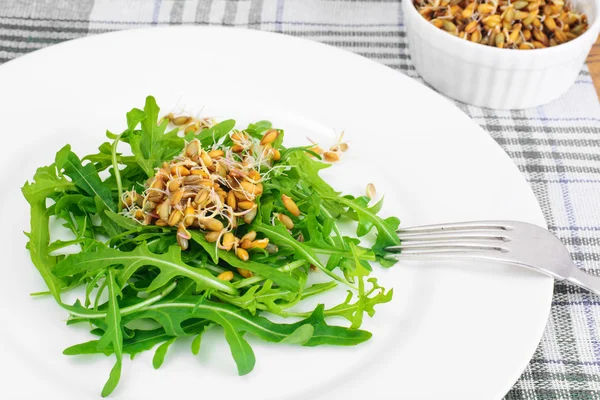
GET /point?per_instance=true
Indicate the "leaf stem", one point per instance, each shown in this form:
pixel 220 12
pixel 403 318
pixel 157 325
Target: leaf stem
pixel 98 294
pixel 343 253
pixel 115 165
pixel 57 245
pixel 307 253
pixel 123 234
pixel 255 279
pixel 125 310
pixel 378 222
pixel 336 228
pixel 206 265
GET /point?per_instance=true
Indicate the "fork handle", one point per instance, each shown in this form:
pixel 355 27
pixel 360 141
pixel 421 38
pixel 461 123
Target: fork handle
pixel 583 279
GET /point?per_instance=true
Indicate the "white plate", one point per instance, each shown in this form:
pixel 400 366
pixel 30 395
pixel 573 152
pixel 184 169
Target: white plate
pixel 454 331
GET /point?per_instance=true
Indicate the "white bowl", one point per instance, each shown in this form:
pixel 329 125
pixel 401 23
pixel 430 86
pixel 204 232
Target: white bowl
pixel 497 78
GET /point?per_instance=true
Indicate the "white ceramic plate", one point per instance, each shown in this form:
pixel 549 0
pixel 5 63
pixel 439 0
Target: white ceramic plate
pixel 454 331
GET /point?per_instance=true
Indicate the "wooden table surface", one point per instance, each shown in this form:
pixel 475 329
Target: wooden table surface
pixel 594 65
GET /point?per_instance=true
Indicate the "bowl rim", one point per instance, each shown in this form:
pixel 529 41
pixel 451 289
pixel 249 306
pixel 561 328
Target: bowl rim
pixel 492 50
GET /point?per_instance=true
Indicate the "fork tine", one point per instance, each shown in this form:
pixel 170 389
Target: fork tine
pixel 449 255
pixel 457 226
pixel 446 245
pixel 451 235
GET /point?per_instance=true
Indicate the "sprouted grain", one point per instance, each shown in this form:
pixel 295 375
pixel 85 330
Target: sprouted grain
pixel 523 24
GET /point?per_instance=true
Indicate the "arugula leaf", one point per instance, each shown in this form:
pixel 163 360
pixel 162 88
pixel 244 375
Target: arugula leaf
pixel 288 267
pixel 113 336
pixel 142 340
pixel 151 146
pixel 386 228
pixel 103 160
pixel 279 235
pixel 61 244
pixel 332 335
pixel 76 222
pixel 301 335
pixel 90 347
pixel 386 262
pixel 109 225
pixel 198 339
pixel 135 116
pixel 46 182
pixel 170 314
pixel 283 280
pixel 39 238
pixel 317 236
pixel 161 352
pixel 367 304
pixel 170 265
pixel 85 177
pixel 240 349
pixel 360 272
pixel 212 135
pixel 132 176
pixel 263 297
pixel 76 202
pixel 307 170
pixel 258 128
pixel 122 221
pixel 317 288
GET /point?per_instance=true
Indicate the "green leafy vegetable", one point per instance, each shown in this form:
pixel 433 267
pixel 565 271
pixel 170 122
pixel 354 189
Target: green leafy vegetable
pixel 113 336
pixel 161 352
pixel 209 136
pixel 170 265
pixel 367 218
pixel 198 339
pixel 280 236
pixel 152 145
pixel 46 183
pixel 263 270
pixel 301 335
pixel 142 340
pixel 85 177
pixel 194 230
pixel 121 220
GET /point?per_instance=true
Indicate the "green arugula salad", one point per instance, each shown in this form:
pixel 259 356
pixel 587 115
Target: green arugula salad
pixel 198 225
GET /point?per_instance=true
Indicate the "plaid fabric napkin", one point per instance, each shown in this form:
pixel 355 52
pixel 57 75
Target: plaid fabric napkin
pixel 557 147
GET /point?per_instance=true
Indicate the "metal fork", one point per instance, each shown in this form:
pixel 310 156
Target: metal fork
pixel 509 242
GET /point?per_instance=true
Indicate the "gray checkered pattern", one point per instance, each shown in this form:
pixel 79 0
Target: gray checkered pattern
pixel 557 147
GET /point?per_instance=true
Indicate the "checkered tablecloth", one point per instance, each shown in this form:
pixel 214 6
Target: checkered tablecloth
pixel 557 147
